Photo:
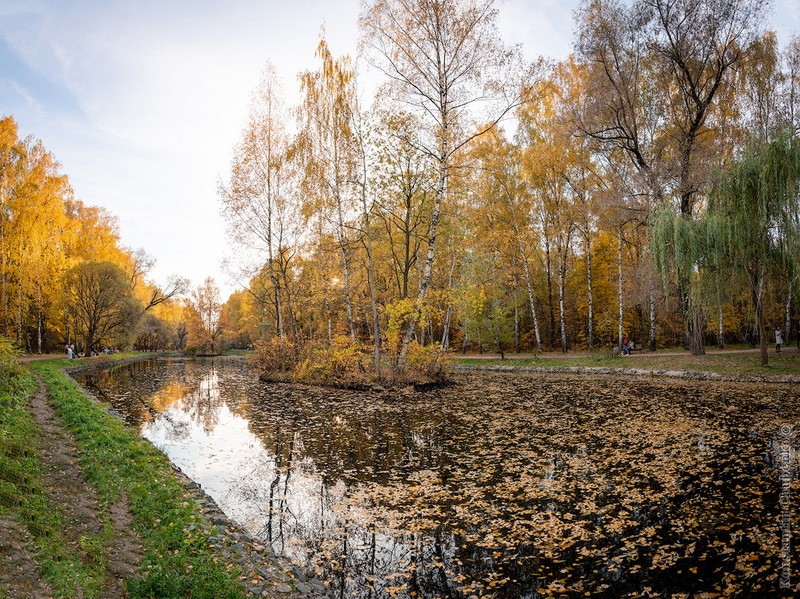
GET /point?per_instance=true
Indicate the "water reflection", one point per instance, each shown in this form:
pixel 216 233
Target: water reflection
pixel 501 486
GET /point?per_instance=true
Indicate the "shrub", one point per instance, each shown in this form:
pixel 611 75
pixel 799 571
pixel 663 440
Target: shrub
pixel 276 355
pixel 427 360
pixel 344 362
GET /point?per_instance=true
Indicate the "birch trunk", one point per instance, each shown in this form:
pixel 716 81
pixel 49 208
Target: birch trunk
pixel 529 284
pixel 720 321
pixel 652 301
pixel 788 319
pixel 562 280
pixel 345 269
pixel 590 294
pixel 619 287
pixel 449 312
pixel 373 297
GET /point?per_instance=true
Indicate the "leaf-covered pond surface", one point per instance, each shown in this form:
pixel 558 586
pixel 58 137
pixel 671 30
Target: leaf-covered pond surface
pixel 499 486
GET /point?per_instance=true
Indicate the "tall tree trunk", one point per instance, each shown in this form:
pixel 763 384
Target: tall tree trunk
pixel 652 301
pixel 529 284
pixel 427 271
pixel 39 319
pixel 757 287
pixel 590 293
pixel 449 312
pixel 4 314
pixel 550 303
pixel 562 280
pixel 279 308
pixel 348 302
pixel 693 318
pixel 620 297
pixel 19 318
pixel 788 316
pixel 286 300
pixel 373 295
pixel 329 315
pixel 720 321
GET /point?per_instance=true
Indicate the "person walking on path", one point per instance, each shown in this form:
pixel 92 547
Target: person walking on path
pixel 778 340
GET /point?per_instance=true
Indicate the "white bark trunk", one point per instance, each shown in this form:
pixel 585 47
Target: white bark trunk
pixel 788 326
pixel 590 293
pixel 620 297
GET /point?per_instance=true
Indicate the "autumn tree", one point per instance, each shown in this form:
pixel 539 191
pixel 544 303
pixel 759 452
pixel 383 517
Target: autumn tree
pixel 753 217
pixel 404 190
pixel 100 297
pixel 326 147
pixel 658 67
pixel 444 60
pixel 506 195
pixel 256 200
pixel 205 306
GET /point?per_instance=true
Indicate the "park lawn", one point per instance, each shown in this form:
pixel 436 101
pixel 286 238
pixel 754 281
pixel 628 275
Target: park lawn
pixel 740 363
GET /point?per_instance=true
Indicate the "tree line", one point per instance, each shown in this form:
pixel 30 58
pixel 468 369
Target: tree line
pixel 65 278
pixel 645 186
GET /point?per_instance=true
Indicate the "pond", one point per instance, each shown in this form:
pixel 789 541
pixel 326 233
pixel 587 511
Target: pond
pixel 503 485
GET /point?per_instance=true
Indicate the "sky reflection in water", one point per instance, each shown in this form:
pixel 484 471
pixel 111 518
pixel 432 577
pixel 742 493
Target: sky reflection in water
pixel 521 486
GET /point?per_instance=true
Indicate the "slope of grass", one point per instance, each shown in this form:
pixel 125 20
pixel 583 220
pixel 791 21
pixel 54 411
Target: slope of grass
pixel 178 560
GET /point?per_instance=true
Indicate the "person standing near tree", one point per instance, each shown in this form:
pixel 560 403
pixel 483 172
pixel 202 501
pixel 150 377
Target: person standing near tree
pixel 778 340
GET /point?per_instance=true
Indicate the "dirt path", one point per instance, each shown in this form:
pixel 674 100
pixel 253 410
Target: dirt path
pixel 19 573
pixel 83 515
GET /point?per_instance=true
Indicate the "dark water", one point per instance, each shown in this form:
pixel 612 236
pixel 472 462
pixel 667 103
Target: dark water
pixel 501 486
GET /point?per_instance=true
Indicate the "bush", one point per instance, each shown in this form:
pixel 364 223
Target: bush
pixel 347 363
pixel 427 361
pixel 344 362
pixel 276 355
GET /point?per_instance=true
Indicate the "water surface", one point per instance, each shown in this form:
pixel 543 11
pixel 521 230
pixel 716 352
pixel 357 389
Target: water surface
pixel 502 485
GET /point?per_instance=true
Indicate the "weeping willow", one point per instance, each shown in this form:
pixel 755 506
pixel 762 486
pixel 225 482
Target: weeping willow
pixel 752 223
pixel 679 247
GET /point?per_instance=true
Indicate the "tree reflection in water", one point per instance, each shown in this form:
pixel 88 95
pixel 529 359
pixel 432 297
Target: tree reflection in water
pixel 505 486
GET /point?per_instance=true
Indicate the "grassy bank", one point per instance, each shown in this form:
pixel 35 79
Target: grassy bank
pixel 23 494
pixel 742 363
pixel 177 560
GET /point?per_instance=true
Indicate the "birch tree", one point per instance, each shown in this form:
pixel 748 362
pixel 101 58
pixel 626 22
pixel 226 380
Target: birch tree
pixel 326 144
pixel 445 60
pixel 255 199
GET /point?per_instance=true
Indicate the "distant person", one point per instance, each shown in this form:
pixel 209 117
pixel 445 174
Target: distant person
pixel 778 340
pixel 68 349
pixel 627 346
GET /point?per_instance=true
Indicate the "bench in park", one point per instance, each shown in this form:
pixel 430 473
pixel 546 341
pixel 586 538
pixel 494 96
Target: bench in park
pixel 617 351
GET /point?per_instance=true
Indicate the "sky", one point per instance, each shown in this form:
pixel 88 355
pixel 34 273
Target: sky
pixel 143 101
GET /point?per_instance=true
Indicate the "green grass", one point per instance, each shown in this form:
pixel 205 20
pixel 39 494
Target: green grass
pixel 23 494
pixel 730 364
pixel 238 352
pixel 178 560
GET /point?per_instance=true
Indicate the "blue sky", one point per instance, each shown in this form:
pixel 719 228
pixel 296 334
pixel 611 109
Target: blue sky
pixel 142 101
